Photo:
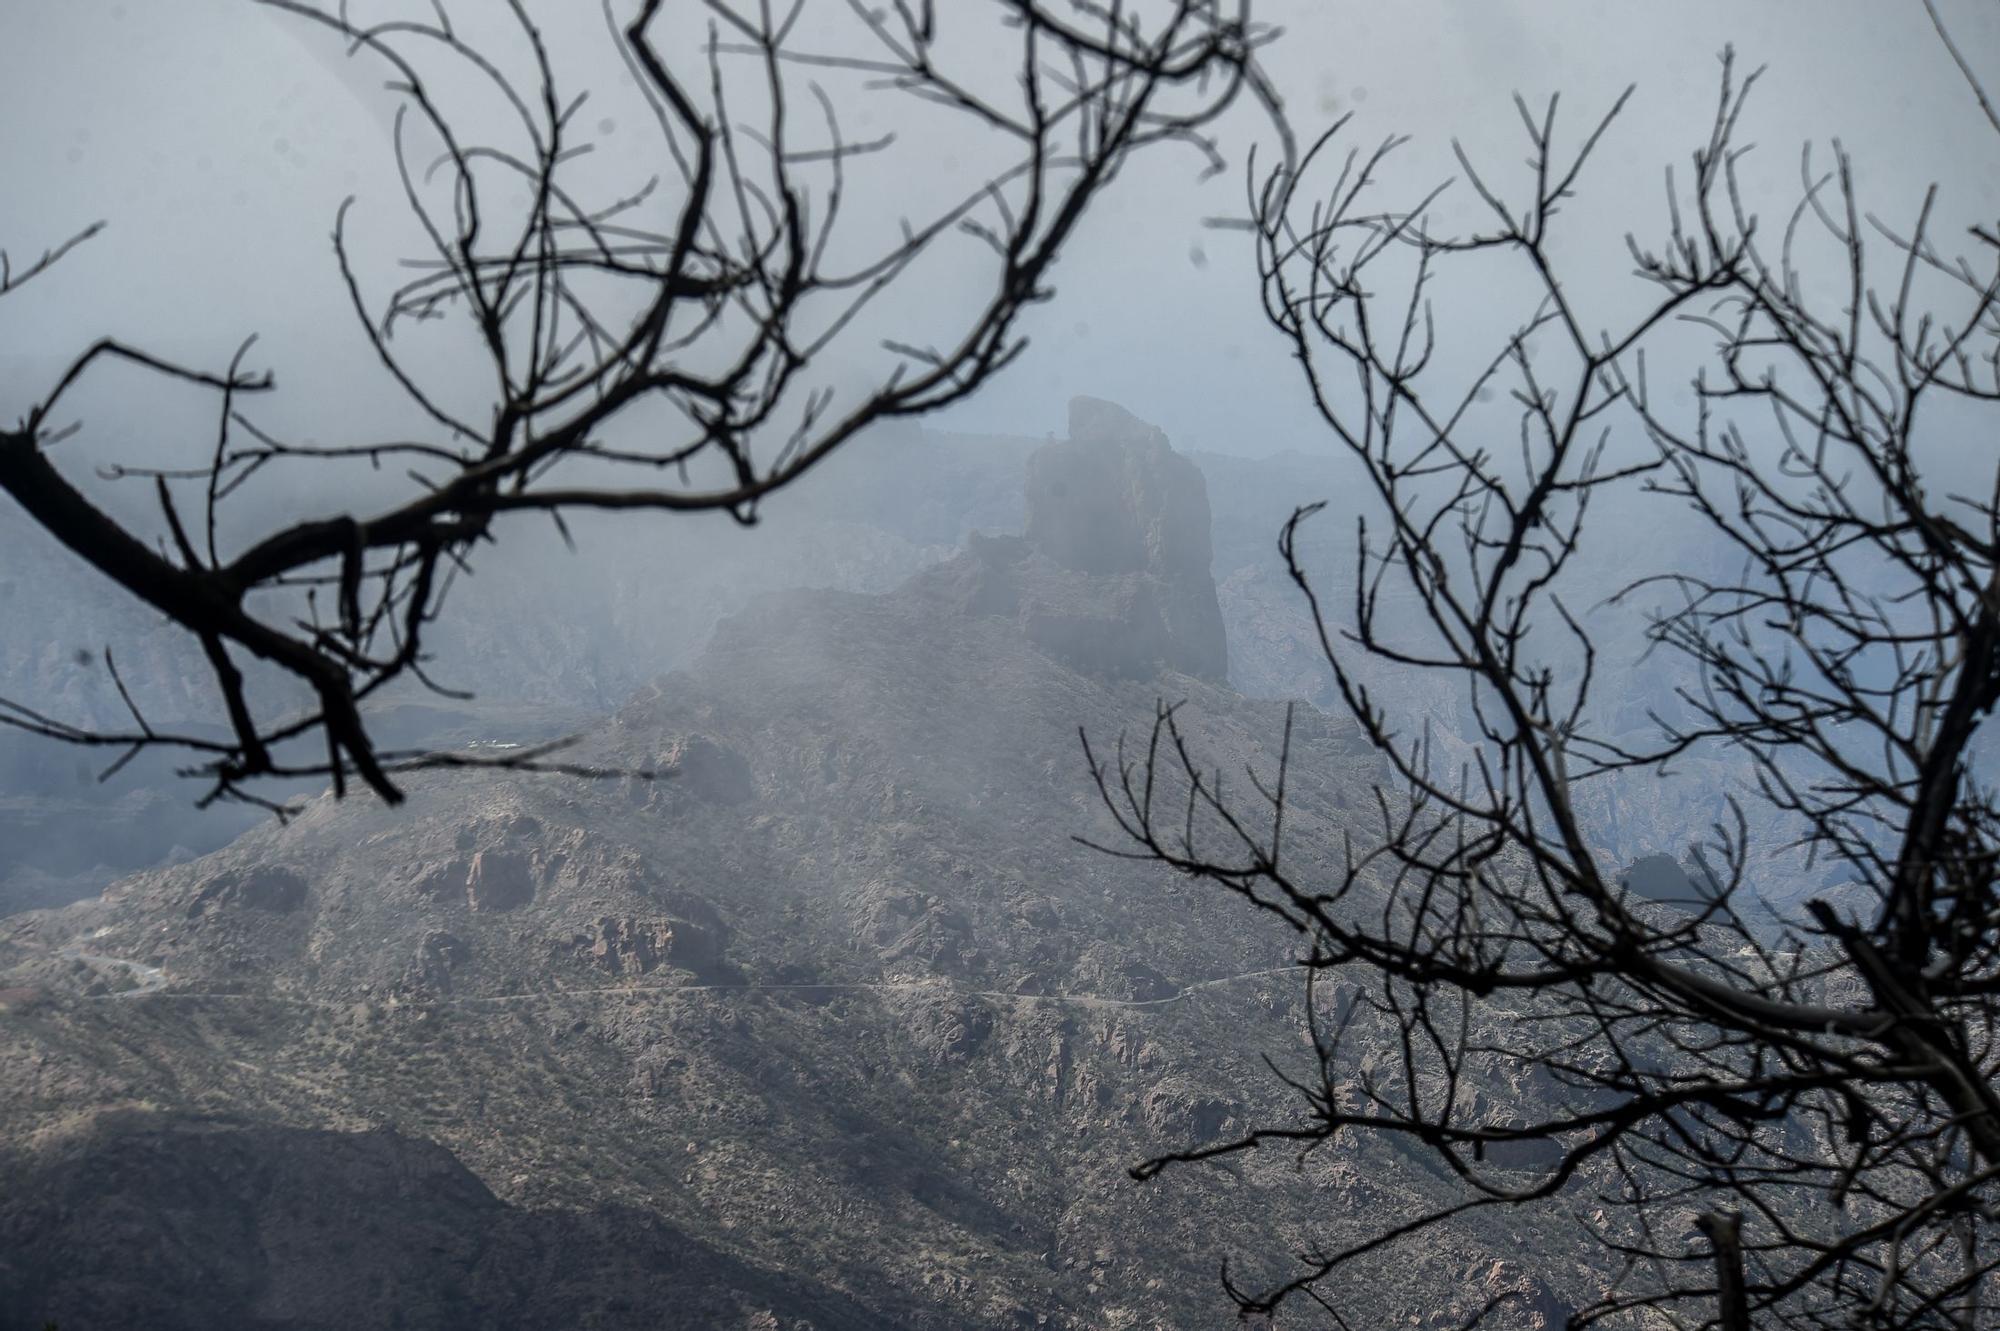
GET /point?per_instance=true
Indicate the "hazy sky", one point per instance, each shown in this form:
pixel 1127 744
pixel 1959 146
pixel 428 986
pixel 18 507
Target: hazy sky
pixel 218 138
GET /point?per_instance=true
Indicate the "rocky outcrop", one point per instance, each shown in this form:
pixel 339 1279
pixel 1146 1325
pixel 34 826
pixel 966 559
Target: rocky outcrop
pixel 1178 1110
pixel 950 1030
pixel 437 957
pixel 1112 574
pixel 266 887
pixel 709 771
pixel 500 880
pixel 1496 1284
pixel 444 882
pixel 626 946
pixel 1115 498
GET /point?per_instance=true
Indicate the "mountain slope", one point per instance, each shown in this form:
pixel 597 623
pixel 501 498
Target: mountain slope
pixel 838 997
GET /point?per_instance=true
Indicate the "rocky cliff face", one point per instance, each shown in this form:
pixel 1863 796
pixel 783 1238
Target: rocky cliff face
pixel 1112 574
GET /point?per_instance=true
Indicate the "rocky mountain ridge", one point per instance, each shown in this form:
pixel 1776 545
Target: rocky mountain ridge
pixel 835 1020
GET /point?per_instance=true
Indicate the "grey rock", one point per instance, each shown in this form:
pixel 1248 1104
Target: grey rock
pixel 263 887
pixel 1112 573
pixel 500 880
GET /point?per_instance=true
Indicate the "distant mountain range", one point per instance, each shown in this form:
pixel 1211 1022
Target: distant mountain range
pixel 547 640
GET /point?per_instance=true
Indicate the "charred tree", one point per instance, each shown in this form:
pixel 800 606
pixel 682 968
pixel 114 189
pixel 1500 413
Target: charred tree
pixel 659 346
pixel 1789 1124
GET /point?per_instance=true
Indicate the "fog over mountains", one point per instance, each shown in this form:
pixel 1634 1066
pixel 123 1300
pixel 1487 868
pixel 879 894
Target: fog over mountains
pixel 546 638
pixel 966 893
pixel 833 1024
